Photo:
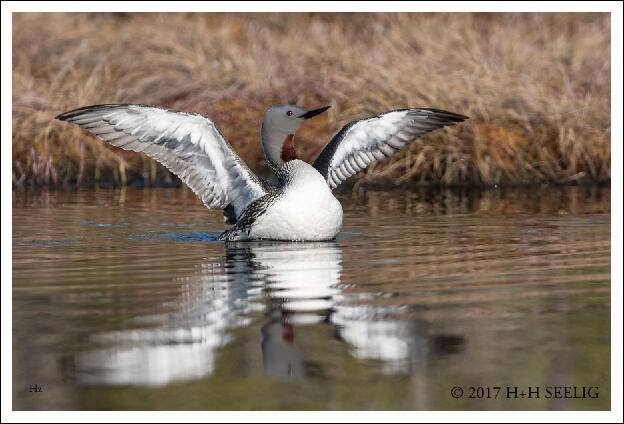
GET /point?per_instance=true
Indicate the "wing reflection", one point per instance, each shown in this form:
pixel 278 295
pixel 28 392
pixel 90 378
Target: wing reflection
pixel 280 286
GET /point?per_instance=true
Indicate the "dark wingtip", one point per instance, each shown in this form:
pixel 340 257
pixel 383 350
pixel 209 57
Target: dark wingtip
pixel 451 116
pixel 81 110
pixel 75 112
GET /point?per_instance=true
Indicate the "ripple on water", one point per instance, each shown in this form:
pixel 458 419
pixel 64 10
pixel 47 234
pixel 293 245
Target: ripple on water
pixel 418 293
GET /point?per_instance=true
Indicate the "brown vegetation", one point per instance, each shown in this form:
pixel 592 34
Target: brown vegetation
pixel 536 86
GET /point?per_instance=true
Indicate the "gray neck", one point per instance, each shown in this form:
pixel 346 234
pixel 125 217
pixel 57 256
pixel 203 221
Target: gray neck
pixel 272 141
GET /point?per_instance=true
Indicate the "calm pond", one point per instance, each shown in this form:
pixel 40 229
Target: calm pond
pixel 122 299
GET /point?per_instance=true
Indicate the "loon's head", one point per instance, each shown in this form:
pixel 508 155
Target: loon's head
pixel 279 126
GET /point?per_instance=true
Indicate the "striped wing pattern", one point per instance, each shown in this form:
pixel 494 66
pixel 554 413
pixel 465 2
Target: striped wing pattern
pixel 363 142
pixel 188 144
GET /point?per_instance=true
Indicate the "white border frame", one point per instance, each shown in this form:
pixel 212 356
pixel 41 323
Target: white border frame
pixel 615 415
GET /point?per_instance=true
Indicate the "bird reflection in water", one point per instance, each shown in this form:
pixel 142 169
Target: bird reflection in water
pixel 295 284
pixel 301 283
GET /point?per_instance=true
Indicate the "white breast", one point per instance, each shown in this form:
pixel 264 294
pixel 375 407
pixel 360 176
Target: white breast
pixel 306 210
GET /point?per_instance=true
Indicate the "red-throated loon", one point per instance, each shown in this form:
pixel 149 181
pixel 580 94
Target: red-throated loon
pixel 302 207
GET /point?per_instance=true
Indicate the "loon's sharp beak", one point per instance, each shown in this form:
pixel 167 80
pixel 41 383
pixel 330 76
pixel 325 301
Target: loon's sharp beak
pixel 309 114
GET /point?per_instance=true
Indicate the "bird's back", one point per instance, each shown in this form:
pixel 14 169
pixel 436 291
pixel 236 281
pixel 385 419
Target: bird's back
pixel 303 209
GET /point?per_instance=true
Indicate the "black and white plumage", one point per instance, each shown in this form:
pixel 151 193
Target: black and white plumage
pixel 360 143
pixel 241 228
pixel 301 206
pixel 188 144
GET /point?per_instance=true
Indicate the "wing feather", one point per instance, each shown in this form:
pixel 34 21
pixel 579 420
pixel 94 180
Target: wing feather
pixel 188 144
pixel 360 143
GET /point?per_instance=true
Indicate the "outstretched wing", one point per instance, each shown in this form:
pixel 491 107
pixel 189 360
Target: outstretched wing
pixel 188 144
pixel 361 143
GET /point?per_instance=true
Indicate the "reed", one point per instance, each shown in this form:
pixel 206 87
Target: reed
pixel 536 87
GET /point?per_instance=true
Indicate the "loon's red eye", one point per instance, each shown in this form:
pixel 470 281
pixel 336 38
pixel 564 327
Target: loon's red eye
pixel 289 113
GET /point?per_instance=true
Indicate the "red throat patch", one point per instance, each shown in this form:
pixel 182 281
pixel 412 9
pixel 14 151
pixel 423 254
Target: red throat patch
pixel 288 149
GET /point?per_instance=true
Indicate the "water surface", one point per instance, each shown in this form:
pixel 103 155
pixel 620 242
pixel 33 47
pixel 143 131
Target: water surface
pixel 122 299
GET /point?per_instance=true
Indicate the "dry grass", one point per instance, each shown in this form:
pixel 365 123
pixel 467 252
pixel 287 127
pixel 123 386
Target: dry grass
pixel 536 86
